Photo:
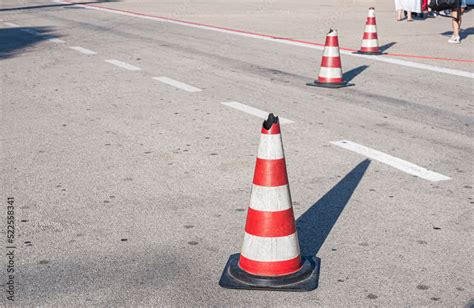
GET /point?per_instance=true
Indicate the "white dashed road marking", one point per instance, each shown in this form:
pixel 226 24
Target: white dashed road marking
pixel 177 84
pixel 254 111
pixel 55 40
pixel 123 65
pixel 392 161
pixel 83 50
pixel 10 24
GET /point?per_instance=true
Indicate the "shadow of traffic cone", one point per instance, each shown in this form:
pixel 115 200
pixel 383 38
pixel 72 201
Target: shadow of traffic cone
pixel 330 73
pixel 370 41
pixel 270 256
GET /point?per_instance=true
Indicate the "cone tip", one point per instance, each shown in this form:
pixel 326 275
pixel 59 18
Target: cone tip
pixel 268 123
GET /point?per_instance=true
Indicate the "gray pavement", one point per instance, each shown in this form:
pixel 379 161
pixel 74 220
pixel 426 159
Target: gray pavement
pixel 133 192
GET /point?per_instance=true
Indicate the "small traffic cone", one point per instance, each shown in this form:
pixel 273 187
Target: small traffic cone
pixel 370 42
pixel 330 74
pixel 270 256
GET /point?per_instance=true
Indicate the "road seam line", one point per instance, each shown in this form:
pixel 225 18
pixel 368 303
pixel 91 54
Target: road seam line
pixel 177 84
pixel 123 65
pixel 83 50
pixel 254 111
pixel 10 24
pixel 392 161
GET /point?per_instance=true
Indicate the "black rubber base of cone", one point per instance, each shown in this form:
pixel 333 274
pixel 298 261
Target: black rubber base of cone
pixel 306 279
pixel 329 85
pixel 370 53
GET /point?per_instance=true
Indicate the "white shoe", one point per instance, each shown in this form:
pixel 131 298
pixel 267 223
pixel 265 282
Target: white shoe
pixel 454 40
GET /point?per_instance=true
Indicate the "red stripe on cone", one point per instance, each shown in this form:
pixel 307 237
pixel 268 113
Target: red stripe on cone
pixel 276 268
pixel 332 41
pixel 270 224
pixel 370 36
pixel 370 49
pixel 330 80
pixel 270 172
pixel 370 21
pixel 331 62
pixel 274 130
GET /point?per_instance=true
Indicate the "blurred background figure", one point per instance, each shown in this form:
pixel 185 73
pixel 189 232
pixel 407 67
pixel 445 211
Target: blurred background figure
pixel 407 5
pixel 424 9
pixel 457 15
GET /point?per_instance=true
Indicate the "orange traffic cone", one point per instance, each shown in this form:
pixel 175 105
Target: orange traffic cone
pixel 330 74
pixel 370 41
pixel 270 256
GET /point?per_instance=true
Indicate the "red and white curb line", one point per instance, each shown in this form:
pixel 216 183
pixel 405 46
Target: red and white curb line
pixel 281 40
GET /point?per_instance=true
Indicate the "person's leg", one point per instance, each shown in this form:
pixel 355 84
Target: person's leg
pixel 400 15
pixel 409 18
pixel 456 23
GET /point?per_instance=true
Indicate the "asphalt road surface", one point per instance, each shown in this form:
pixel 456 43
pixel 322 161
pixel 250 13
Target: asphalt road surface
pixel 128 145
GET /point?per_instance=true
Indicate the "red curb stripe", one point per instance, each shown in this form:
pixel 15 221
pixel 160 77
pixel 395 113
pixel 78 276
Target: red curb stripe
pixel 270 224
pixel 334 62
pixel 276 268
pixel 274 130
pixel 428 58
pixel 270 172
pixel 271 36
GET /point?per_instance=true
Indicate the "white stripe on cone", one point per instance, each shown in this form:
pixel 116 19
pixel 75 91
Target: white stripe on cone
pixel 371 13
pixel 330 72
pixel 269 249
pixel 370 28
pixel 270 147
pixel 370 43
pixel 270 199
pixel 330 51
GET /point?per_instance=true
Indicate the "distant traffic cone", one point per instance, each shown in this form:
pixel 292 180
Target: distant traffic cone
pixel 270 256
pixel 370 42
pixel 330 74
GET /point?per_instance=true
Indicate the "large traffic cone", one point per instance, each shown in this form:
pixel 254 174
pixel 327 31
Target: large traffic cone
pixel 370 41
pixel 270 256
pixel 330 74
